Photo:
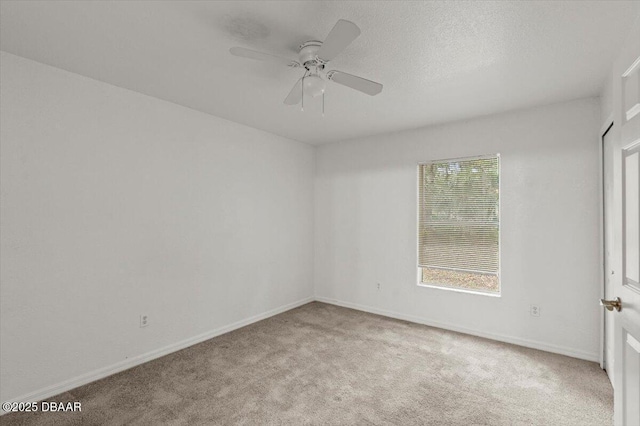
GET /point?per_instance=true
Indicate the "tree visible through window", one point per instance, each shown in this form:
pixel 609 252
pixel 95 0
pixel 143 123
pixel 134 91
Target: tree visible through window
pixel 459 223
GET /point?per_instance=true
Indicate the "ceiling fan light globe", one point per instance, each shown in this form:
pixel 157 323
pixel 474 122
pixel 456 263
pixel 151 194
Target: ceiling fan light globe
pixel 314 85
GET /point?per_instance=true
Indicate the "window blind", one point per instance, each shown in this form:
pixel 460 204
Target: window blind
pixel 459 224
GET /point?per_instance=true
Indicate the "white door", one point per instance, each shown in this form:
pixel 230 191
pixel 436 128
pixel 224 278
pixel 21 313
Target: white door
pixel 625 254
pixel 627 334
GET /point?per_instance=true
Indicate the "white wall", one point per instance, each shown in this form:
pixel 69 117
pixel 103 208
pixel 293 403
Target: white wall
pixel 365 226
pixel 606 100
pixel 116 204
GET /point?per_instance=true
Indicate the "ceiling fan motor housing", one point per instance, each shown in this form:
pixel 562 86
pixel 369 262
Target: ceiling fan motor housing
pixel 308 53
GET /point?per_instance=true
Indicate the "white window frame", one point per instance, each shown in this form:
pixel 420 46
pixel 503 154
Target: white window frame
pixel 419 269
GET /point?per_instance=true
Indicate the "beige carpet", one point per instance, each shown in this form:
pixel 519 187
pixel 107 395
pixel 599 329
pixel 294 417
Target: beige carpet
pixel 325 365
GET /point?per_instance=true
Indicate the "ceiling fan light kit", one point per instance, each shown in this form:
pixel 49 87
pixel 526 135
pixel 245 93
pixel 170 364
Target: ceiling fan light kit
pixel 313 56
pixel 313 85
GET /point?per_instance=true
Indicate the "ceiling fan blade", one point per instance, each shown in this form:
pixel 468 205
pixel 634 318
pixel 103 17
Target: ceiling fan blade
pixel 295 95
pixel 362 84
pixel 260 56
pixel 342 34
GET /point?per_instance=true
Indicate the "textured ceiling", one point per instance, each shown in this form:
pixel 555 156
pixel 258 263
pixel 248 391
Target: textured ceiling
pixel 438 61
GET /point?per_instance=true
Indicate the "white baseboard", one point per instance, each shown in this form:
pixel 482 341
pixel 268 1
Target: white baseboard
pixel 101 373
pixel 575 353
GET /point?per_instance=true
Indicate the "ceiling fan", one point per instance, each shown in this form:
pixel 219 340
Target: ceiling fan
pixel 313 56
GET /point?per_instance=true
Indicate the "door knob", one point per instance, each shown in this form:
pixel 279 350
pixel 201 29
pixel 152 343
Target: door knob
pixel 610 305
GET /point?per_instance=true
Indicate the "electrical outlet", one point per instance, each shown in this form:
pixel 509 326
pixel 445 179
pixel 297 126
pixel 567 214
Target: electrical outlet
pixel 535 310
pixel 144 320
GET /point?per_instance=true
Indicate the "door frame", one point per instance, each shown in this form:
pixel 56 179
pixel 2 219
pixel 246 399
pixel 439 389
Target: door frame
pixel 606 127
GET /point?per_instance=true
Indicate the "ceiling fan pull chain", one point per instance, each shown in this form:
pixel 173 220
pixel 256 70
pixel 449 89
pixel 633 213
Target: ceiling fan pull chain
pixel 302 90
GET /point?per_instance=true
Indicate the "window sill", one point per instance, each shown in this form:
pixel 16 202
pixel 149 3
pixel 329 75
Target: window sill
pixel 459 290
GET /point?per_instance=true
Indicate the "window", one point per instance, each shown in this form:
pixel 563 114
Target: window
pixel 459 223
